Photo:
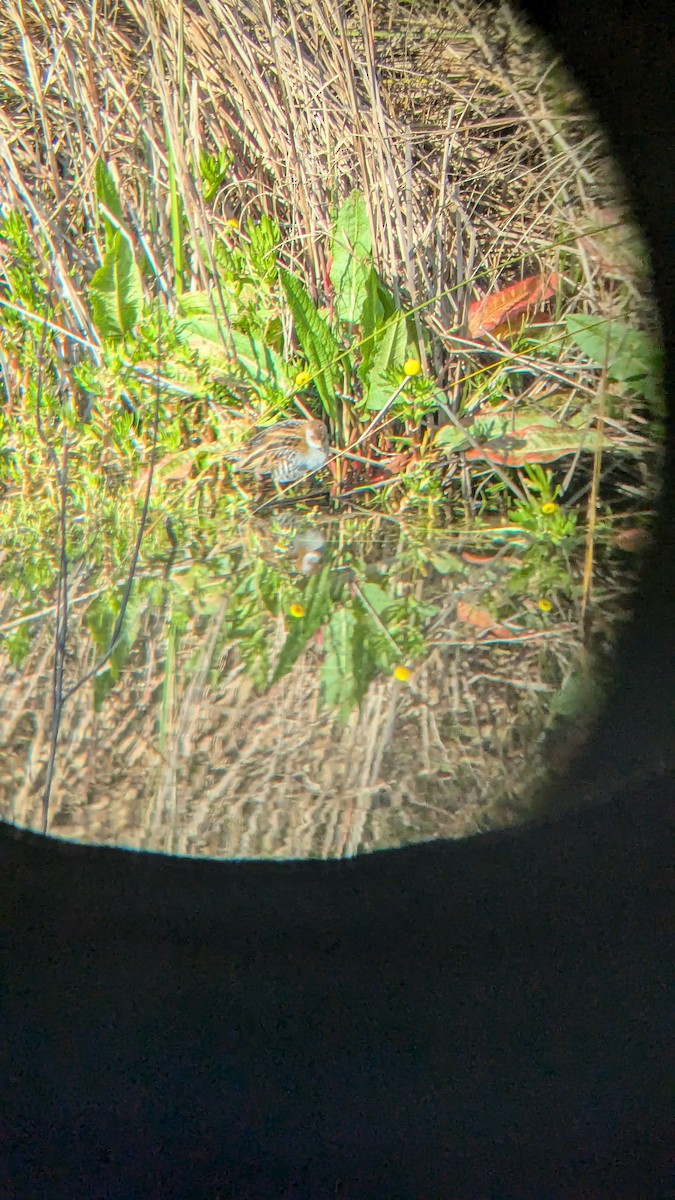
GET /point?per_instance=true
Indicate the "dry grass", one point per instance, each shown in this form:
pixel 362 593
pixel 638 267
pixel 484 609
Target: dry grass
pixel 442 115
pixel 173 763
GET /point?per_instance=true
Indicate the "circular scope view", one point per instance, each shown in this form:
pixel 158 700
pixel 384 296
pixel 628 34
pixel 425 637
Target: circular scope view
pixel 330 423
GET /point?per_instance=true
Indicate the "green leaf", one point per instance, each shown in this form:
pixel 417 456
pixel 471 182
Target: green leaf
pixel 259 361
pixel 107 194
pixel 321 349
pixel 17 645
pixel 377 597
pixel 351 248
pixel 633 357
pixel 264 237
pixel 103 685
pixel 390 351
pixel 115 292
pixel 452 439
pixel 317 603
pixel 446 563
pixel 337 669
pixel 527 436
pixel 100 619
pixel 378 307
pixel 364 657
pixel 213 169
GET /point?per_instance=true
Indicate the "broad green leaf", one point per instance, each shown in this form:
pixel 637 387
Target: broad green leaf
pixel 317 603
pixel 364 654
pixel 378 597
pixel 352 256
pixel 103 685
pixel 321 349
pixel 389 354
pixel 378 307
pixel 258 360
pixel 115 292
pixel 107 194
pixel 633 356
pixel 100 619
pixel 337 670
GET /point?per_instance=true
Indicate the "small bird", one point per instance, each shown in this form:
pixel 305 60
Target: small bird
pixel 285 451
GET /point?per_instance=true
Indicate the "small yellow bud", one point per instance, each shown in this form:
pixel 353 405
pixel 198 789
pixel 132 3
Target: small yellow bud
pixel 302 379
pixel 545 606
pixel 412 366
pixel 296 610
pixel 549 508
pixel 402 674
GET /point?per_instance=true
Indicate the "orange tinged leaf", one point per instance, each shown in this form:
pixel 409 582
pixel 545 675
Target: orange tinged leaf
pixel 501 307
pixel 480 618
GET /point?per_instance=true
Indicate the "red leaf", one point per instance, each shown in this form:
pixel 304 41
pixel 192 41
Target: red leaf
pixel 490 312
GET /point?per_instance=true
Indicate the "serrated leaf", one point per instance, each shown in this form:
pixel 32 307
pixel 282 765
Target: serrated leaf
pixel 633 356
pixel 352 256
pixel 389 354
pixel 115 292
pixel 317 603
pixel 321 348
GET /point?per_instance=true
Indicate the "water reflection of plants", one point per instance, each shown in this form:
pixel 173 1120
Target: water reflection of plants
pixel 343 600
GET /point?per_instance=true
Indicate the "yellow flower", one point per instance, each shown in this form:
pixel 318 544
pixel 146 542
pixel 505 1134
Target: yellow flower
pixel 233 223
pixel 302 379
pixel 544 606
pixel 549 507
pixel 402 674
pixel 412 366
pixel 296 610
